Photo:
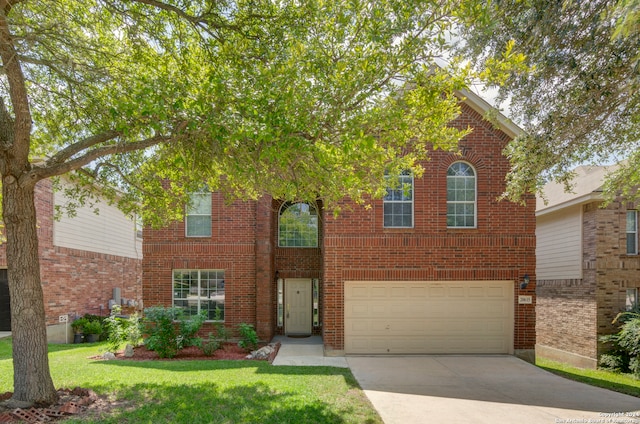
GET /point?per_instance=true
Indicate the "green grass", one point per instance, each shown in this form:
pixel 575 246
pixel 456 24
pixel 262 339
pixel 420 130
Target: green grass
pixel 205 391
pixel 623 383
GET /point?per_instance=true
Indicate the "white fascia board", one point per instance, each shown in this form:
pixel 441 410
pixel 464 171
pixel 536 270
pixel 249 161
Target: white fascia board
pixel 587 198
pixel 481 106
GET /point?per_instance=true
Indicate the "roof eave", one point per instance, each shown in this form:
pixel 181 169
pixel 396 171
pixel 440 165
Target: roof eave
pixel 481 106
pixel 584 199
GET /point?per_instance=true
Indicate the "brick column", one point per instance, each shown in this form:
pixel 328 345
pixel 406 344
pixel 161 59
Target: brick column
pixel 265 313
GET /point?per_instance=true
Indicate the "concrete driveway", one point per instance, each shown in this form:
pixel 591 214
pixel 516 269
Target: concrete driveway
pixel 483 389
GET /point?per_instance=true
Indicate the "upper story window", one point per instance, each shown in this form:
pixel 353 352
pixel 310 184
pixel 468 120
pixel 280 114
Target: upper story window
pixel 198 215
pixel 398 203
pixel 461 196
pixel 298 225
pixel 632 232
pixel 139 226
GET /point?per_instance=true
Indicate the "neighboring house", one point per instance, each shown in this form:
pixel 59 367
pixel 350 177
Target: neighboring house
pixel 587 267
pixel 82 260
pixel 436 268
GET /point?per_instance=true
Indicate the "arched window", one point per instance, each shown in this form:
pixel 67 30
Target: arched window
pixel 461 196
pixel 298 225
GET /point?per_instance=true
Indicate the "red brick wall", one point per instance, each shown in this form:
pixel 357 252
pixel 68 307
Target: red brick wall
pixel 232 247
pixel 77 281
pixel 502 247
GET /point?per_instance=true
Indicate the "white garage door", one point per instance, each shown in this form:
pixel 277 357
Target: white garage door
pixel 428 317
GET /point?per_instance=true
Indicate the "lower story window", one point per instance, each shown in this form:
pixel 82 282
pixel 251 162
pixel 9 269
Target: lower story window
pixel 196 290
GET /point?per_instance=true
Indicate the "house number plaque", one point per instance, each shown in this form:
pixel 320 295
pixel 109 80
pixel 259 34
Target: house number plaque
pixel 525 300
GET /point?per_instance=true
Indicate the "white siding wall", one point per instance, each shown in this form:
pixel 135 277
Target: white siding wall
pixel 109 232
pixel 559 244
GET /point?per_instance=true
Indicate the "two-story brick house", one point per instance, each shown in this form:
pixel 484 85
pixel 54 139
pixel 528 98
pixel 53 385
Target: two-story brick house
pixel 587 267
pixel 434 267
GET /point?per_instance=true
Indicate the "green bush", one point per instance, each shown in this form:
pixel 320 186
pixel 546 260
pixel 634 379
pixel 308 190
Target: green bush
pixel 210 345
pixel 93 327
pixel 625 345
pixel 78 325
pixel 216 340
pixel 222 334
pixel 121 330
pixel 248 337
pixel 164 336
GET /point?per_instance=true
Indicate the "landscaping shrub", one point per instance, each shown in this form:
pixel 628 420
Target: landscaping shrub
pixel 210 345
pixel 92 319
pixel 625 345
pixel 248 337
pixel 121 330
pixel 215 340
pixel 164 336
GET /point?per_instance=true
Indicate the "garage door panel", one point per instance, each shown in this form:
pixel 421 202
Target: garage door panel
pixel 432 345
pixel 428 317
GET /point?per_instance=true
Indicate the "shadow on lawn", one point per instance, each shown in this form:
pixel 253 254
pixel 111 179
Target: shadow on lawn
pixel 209 403
pixel 260 367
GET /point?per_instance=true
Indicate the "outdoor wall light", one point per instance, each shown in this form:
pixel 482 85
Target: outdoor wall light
pixel 525 282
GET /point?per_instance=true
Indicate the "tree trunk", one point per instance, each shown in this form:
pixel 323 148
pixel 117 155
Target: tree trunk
pixel 32 381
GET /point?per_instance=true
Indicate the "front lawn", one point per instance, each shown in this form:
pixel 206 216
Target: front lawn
pixel 206 391
pixel 623 383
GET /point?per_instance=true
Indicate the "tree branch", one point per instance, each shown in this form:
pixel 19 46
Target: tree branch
pixel 47 171
pixel 17 90
pixel 81 145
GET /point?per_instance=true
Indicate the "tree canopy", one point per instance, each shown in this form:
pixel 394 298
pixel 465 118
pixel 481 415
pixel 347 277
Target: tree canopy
pixel 577 93
pixel 144 101
pixel 297 99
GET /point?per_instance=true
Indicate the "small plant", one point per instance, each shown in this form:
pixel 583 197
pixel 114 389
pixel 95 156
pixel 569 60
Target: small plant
pixel 210 345
pixel 216 340
pixel 122 330
pixel 248 337
pixel 93 327
pixel 222 333
pixel 164 337
pixel 79 324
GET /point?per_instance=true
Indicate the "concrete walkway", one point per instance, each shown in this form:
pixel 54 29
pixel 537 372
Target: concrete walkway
pixel 305 351
pixel 4 334
pixel 483 390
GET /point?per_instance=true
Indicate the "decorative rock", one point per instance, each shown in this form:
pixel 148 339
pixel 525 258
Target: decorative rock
pixel 108 356
pixel 262 353
pixel 128 351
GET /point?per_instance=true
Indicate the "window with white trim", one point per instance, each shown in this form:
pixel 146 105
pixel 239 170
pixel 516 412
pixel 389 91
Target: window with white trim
pixel 198 215
pixel 298 225
pixel 632 232
pixel 398 202
pixel 461 196
pixel 196 290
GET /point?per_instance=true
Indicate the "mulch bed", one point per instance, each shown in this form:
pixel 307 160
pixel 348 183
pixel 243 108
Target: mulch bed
pixel 229 351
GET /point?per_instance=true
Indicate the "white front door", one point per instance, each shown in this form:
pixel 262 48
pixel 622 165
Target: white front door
pixel 297 301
